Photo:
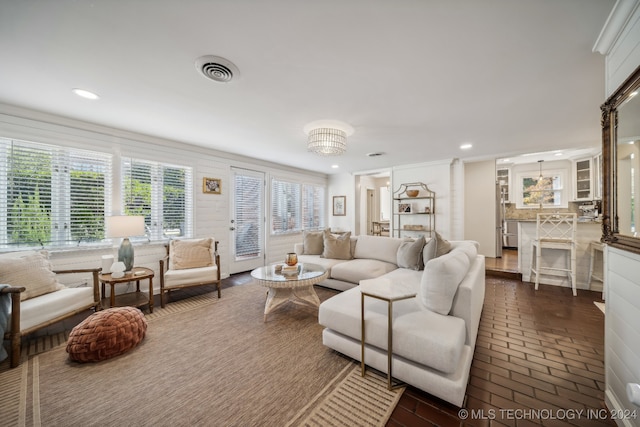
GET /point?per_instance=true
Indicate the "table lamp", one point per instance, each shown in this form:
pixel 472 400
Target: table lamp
pixel 125 226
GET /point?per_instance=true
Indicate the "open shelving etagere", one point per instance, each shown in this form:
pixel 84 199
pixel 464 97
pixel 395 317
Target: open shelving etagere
pixel 414 216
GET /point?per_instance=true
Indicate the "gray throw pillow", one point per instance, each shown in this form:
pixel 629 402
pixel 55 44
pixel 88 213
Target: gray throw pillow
pixel 337 247
pixel 313 242
pixel 429 251
pixel 409 254
pixel 442 246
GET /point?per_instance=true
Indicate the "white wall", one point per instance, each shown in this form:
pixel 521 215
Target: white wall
pixel 439 177
pixel 342 185
pixel 443 177
pixel 211 211
pixel 622 295
pixel 480 205
pixel 622 329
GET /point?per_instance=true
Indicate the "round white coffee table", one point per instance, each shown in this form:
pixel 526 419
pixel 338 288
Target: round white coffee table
pixel 297 288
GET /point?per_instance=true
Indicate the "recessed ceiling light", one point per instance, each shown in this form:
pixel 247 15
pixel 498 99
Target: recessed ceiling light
pixel 558 154
pixel 466 146
pixel 506 160
pixel 85 94
pixel 335 166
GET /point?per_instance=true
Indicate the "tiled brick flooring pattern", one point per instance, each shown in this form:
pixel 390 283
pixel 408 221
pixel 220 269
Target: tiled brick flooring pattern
pixel 539 360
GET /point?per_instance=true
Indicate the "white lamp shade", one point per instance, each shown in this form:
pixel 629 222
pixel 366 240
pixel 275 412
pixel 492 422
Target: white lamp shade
pixel 124 225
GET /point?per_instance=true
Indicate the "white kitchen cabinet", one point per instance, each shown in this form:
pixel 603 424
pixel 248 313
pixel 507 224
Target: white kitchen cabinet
pixel 583 179
pixel 503 177
pixel 597 177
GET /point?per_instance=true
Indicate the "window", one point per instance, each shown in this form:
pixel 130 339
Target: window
pixel 296 206
pixel 162 194
pixel 285 207
pixel 312 206
pixel 52 196
pixel 546 190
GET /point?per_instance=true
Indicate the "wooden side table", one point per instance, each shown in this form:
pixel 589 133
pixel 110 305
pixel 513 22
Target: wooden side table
pixel 133 299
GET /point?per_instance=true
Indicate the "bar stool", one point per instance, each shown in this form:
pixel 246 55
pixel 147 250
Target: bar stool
pixel 376 228
pixel 555 231
pixel 594 248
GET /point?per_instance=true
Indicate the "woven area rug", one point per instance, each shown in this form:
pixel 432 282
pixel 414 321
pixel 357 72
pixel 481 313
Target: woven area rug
pixel 204 361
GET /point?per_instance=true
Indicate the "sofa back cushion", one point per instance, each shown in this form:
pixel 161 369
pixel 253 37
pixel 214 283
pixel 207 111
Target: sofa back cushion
pixel 31 270
pixel 313 242
pixel 441 278
pixel 410 254
pixel 377 247
pixel 337 246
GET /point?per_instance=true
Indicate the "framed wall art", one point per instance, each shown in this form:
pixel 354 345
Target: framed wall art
pixel 404 208
pixel 211 185
pixel 339 205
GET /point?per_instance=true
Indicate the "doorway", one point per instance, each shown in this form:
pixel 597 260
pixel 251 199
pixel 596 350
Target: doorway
pixel 247 220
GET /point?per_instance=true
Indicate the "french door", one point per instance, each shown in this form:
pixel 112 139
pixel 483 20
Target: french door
pixel 247 220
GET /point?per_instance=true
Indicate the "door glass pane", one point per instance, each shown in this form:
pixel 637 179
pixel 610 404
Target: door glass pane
pixel 248 214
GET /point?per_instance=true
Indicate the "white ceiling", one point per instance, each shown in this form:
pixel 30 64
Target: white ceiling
pixel 415 78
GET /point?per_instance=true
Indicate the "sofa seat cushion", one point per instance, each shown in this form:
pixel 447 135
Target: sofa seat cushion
pixel 190 276
pixel 327 263
pixel 405 277
pixel 422 336
pixel 41 309
pixel 361 269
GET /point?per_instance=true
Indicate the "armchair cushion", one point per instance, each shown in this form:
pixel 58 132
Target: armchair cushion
pixel 36 311
pixel 32 271
pixel 173 278
pixel 190 253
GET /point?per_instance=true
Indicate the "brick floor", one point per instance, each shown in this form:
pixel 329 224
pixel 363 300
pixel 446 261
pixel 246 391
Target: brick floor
pixel 539 359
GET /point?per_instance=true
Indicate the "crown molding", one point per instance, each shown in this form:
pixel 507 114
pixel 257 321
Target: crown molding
pixel 615 24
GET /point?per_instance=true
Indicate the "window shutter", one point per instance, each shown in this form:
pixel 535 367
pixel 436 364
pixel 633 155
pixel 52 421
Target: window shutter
pixel 248 214
pixel 162 194
pixel 54 196
pixel 285 207
pixel 313 207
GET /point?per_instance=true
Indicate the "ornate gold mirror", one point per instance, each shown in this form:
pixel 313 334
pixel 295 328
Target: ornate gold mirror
pixel 621 166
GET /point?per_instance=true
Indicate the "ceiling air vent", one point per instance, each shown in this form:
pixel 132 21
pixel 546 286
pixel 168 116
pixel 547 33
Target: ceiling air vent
pixel 217 69
pixel 377 154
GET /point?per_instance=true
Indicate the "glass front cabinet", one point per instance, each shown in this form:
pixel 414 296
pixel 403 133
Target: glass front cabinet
pixel 582 179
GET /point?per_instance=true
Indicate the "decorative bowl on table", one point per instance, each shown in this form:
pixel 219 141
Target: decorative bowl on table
pixel 412 193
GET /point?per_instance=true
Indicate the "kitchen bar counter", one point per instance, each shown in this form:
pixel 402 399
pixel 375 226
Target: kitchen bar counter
pixel 586 233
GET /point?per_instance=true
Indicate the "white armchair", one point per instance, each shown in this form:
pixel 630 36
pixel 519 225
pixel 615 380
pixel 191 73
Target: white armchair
pixel 37 299
pixel 189 262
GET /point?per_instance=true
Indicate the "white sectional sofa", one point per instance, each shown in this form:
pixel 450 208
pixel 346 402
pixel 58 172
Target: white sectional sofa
pixel 434 333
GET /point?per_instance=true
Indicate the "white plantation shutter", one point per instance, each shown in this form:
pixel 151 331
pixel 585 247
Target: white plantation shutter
pixel 162 194
pixel 285 207
pixel 248 213
pixel 52 196
pixel 312 206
